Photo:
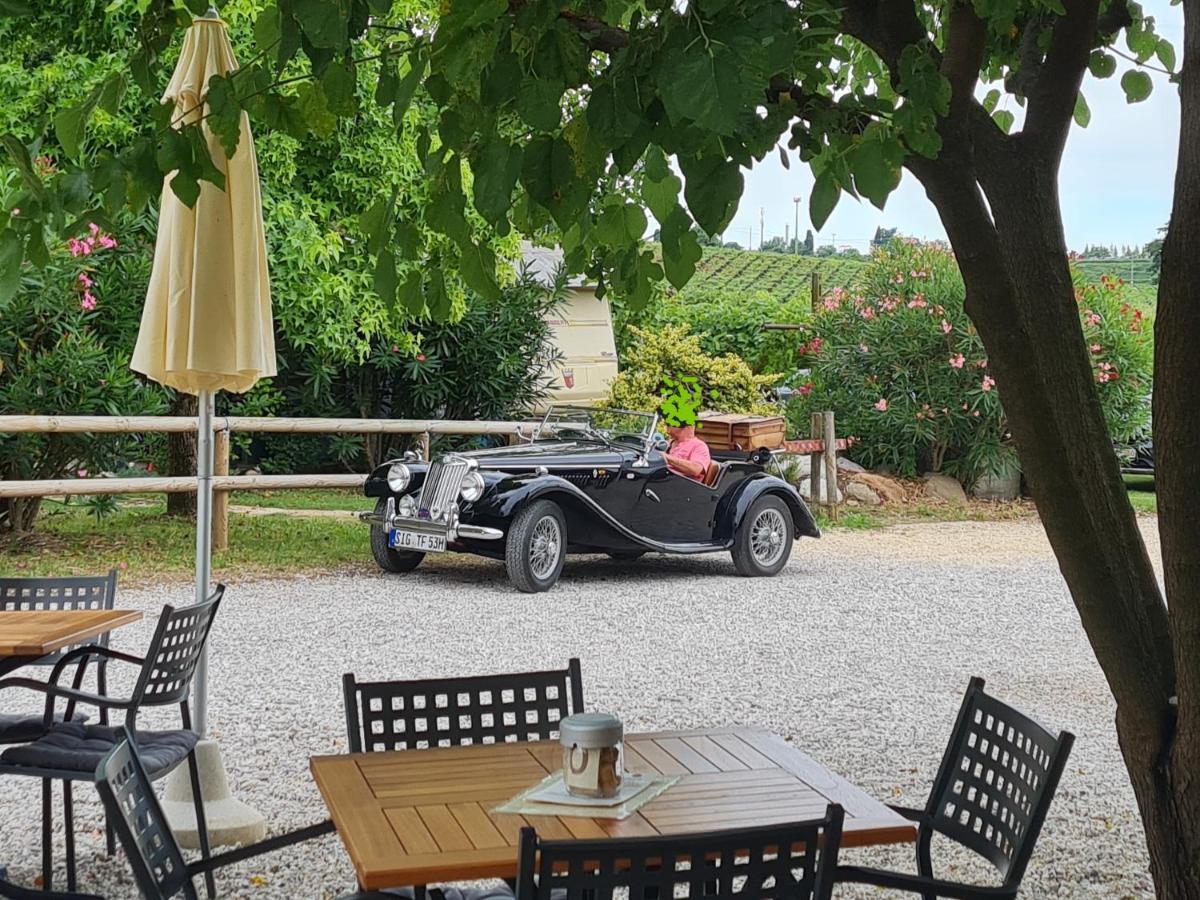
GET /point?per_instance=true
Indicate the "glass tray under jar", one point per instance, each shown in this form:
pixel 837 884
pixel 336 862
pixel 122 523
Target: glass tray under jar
pixel 549 797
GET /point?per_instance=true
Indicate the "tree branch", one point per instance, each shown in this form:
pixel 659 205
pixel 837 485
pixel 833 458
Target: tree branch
pixel 966 43
pixel 1052 97
pixel 886 26
pixel 597 33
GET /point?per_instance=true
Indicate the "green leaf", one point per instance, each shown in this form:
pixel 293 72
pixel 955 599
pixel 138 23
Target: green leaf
pixel 225 114
pixel 681 249
pixel 186 188
pixel 12 250
pixel 497 168
pixel 1102 64
pixel 436 295
pixel 69 124
pixel 612 113
pixel 1137 85
pixel 991 99
pixel 411 293
pixel 338 82
pixel 662 196
pixel 688 87
pixel 477 267
pixel 1165 53
pixel 1004 119
pixel 311 105
pixel 112 92
pixel 15 8
pixel 411 74
pixel 1083 115
pixel 712 187
pixel 323 22
pixel 268 30
pixel 824 198
pixel 384 277
pixel 876 171
pixel 539 103
pixel 374 223
pixel 445 213
pixel 621 224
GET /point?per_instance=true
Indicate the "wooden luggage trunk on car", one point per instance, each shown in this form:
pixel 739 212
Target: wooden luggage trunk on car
pixel 738 431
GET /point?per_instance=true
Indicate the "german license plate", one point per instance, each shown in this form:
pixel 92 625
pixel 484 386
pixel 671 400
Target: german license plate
pixel 418 541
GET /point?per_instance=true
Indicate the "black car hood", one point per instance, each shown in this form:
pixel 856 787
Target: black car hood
pixel 547 453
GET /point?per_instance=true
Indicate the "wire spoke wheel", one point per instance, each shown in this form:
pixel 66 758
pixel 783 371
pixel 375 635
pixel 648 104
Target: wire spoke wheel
pixel 766 536
pixel 545 547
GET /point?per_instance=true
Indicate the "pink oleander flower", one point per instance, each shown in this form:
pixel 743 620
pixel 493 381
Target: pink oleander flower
pixel 957 361
pixel 805 389
pixel 881 404
pixel 1095 348
pixel 946 327
pixel 85 279
pixel 107 242
pixel 975 414
pixel 93 228
pixel 988 382
pixel 917 302
pixel 868 312
pixel 814 346
pixel 395 348
pixel 88 302
pixel 981 363
pixel 420 357
pixel 863 348
pixel 898 278
pixel 1091 318
pixel 82 473
pixel 831 303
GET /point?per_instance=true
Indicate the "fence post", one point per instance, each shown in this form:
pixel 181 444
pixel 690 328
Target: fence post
pixel 423 443
pixel 814 461
pixel 816 290
pixel 220 521
pixel 831 483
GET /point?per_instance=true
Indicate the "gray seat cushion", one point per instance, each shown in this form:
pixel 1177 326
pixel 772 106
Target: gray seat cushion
pixel 16 728
pixel 75 747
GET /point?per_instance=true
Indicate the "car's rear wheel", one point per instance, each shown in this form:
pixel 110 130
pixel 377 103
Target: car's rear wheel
pixel 388 559
pixel 536 547
pixel 764 540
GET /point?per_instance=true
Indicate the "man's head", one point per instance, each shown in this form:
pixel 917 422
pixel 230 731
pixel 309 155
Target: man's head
pixel 681 432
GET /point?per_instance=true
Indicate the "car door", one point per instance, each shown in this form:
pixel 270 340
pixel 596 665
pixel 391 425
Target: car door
pixel 673 508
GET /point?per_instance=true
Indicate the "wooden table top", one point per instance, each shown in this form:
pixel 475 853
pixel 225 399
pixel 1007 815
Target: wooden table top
pixel 40 632
pixel 423 816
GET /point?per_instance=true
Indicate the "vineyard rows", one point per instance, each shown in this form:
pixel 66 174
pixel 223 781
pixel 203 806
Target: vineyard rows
pixel 784 275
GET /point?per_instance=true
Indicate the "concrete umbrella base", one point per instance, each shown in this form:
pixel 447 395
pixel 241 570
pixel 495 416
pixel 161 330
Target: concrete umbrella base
pixel 230 821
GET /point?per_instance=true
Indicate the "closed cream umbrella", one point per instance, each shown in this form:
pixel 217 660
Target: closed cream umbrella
pixel 206 327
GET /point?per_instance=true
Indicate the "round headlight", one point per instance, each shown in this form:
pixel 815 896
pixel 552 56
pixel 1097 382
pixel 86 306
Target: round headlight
pixel 398 477
pixel 407 506
pixel 472 487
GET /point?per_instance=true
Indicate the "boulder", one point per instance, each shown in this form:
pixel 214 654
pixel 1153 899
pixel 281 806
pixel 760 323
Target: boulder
pixel 848 465
pixel 887 489
pixel 804 487
pixel 1006 486
pixel 858 490
pixel 943 487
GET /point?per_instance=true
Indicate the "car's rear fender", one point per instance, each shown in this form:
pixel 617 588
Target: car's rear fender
pixel 737 506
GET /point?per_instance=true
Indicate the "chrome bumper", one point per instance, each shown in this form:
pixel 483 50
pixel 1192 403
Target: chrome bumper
pixel 452 528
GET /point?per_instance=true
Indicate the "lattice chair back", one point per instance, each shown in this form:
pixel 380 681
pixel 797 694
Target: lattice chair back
pixel 484 709
pixel 771 862
pixel 996 781
pixel 75 592
pixel 133 808
pixel 174 651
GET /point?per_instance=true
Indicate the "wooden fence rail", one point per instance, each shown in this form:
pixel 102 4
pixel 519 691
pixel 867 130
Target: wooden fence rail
pixel 223 426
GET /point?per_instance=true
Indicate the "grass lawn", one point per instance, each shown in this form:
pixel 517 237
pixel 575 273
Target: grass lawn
pixel 351 499
pixel 146 545
pixel 1144 501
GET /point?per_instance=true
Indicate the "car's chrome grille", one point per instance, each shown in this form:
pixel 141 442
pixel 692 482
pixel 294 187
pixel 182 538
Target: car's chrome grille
pixel 441 488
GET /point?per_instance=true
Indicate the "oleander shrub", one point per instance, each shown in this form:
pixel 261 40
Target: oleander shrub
pixel 907 375
pixel 673 352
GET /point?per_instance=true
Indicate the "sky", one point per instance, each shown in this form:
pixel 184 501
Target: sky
pixel 1115 183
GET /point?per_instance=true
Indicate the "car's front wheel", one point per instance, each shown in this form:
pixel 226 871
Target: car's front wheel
pixel 537 547
pixel 388 559
pixel 764 540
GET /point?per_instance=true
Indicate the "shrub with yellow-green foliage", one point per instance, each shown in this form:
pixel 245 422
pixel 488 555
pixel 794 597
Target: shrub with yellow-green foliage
pixel 728 382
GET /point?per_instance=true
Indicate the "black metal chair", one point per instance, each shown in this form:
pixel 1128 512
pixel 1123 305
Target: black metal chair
pixel 84 592
pixel 10 891
pixel 992 791
pixel 794 861
pixel 70 751
pixel 450 712
pixel 158 864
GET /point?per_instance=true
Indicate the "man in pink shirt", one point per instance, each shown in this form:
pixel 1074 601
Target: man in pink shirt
pixel 687 454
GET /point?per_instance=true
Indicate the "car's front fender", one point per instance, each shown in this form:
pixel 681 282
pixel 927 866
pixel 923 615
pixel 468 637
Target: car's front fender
pixel 734 509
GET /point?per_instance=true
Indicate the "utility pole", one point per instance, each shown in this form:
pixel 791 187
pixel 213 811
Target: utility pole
pixel 785 238
pixel 796 200
pixel 761 227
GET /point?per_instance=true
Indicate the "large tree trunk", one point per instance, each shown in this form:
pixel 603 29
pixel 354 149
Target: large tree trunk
pixel 181 456
pixel 1019 295
pixel 1177 476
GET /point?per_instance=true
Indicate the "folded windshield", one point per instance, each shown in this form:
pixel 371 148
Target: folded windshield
pixel 605 425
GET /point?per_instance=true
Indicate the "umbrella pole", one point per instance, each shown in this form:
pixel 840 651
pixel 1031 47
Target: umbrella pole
pixel 204 502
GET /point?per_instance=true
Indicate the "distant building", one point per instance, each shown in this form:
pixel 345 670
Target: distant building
pixel 583 333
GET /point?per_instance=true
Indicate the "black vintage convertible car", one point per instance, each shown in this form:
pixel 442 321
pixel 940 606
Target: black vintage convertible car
pixel 589 481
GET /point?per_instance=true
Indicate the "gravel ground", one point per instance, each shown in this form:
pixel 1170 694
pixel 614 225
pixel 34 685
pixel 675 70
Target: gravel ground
pixel 859 652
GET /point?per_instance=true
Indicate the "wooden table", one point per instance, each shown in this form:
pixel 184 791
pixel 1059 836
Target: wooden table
pixel 422 816
pixel 26 635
